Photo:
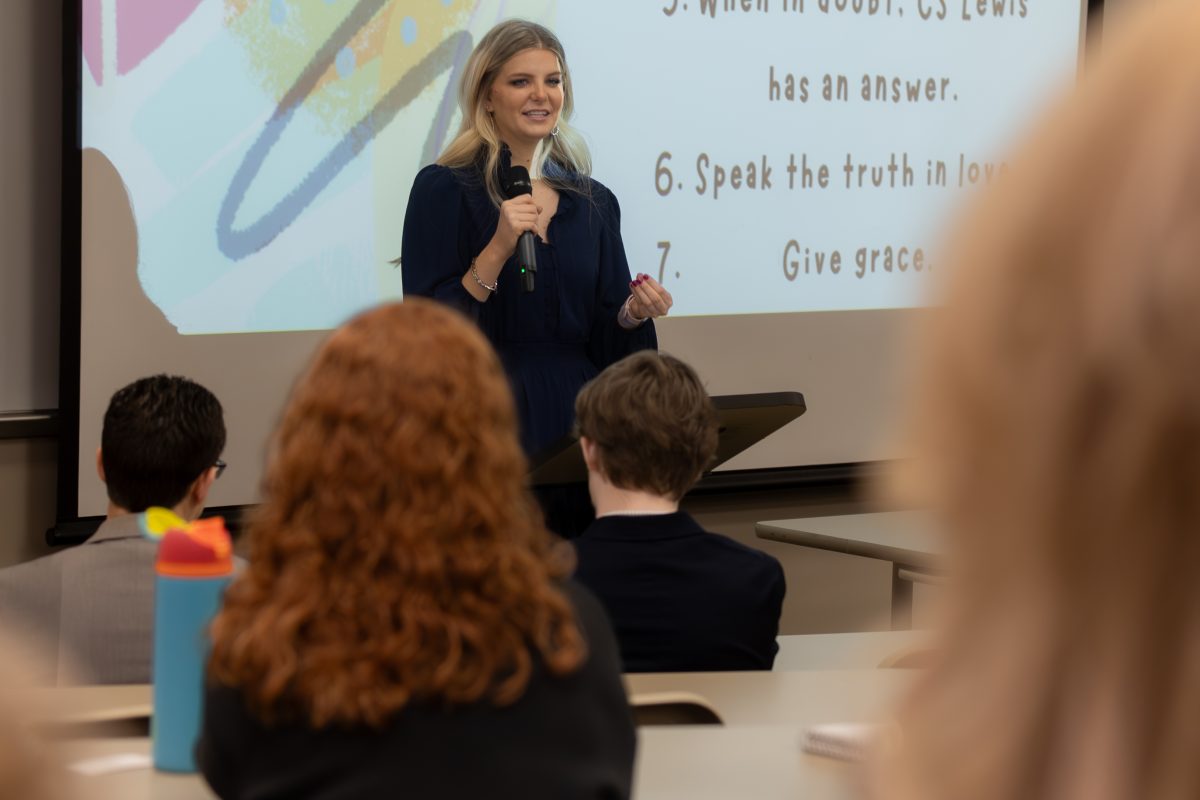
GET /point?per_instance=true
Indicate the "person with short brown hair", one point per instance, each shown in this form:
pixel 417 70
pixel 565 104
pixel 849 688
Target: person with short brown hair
pixel 654 422
pixel 92 606
pixel 680 598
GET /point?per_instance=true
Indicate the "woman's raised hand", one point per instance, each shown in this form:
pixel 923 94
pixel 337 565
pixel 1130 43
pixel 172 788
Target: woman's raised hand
pixel 649 299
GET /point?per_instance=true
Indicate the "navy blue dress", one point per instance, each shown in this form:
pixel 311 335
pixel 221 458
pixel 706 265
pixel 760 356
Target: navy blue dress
pixel 551 340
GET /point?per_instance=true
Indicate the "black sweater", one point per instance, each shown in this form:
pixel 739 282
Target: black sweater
pixel 682 599
pixel 564 738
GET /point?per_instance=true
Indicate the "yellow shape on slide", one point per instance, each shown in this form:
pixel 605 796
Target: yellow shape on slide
pixel 280 37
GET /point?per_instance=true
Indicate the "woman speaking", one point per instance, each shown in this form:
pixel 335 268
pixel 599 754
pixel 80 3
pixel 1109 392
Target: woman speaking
pixel 466 214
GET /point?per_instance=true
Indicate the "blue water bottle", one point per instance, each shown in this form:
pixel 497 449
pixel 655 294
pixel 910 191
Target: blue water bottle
pixel 195 564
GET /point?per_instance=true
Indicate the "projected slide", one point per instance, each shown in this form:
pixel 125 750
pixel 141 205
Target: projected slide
pixel 769 155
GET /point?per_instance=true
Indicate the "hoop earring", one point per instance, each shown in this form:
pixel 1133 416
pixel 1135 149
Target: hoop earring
pixel 555 131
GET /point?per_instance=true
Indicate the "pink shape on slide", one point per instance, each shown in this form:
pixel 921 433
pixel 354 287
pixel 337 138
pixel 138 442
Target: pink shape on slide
pixel 93 51
pixel 143 25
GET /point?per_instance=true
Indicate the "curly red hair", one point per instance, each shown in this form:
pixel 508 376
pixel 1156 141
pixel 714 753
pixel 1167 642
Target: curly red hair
pixel 397 556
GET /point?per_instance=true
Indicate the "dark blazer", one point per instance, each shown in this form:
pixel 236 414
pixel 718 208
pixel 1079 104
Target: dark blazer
pixel 569 737
pixel 554 339
pixel 682 599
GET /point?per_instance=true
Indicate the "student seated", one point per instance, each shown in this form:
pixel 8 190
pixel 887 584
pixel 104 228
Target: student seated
pixel 93 605
pixel 680 598
pixel 405 626
pixel 1057 430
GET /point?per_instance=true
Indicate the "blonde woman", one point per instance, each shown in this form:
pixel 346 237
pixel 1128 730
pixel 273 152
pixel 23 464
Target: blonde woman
pixel 1060 425
pixel 585 311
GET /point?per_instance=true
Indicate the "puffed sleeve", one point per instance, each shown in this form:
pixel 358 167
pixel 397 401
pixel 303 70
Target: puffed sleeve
pixel 435 250
pixel 609 342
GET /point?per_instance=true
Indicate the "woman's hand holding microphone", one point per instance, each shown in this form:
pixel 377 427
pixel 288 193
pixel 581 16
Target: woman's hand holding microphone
pixel 517 215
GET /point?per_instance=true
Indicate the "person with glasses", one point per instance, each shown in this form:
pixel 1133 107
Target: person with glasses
pixel 93 605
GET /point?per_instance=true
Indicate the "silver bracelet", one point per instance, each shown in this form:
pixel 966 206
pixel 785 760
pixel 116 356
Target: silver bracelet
pixel 495 284
pixel 625 315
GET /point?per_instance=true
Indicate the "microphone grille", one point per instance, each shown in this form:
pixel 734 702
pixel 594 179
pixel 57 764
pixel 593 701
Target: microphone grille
pixel 516 182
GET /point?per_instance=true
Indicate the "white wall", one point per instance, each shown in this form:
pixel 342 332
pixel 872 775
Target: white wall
pixel 30 94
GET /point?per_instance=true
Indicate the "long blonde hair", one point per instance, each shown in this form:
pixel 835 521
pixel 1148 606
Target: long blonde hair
pixel 478 144
pixel 1059 429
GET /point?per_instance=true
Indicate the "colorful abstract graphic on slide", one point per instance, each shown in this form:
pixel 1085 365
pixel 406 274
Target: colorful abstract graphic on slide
pixel 769 156
pixel 267 145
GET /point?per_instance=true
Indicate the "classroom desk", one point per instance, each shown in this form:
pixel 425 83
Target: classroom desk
pixel 764 762
pixel 862 650
pixel 904 538
pixel 800 697
pixel 751 698
pixel 784 697
pixel 756 754
pixel 85 705
pixel 82 705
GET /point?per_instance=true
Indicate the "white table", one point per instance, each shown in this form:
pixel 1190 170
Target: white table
pixel 864 650
pixel 904 538
pixel 673 763
pixel 763 762
pixel 756 754
pixel 784 698
pixel 83 705
pixel 751 698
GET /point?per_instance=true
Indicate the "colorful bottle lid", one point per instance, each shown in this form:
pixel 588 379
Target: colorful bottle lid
pixel 156 520
pixel 199 550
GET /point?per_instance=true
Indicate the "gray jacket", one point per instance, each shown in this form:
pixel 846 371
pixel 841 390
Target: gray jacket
pixel 91 606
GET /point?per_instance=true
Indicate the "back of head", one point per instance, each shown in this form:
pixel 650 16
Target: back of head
pixel 160 433
pixel 396 482
pixel 652 421
pixel 1060 432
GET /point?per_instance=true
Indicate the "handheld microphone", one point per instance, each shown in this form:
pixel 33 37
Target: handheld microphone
pixel 517 183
